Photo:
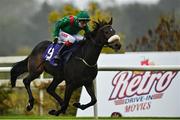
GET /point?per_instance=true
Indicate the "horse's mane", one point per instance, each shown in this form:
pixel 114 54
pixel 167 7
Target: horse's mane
pixel 96 26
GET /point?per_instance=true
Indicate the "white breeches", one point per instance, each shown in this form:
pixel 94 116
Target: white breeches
pixel 63 36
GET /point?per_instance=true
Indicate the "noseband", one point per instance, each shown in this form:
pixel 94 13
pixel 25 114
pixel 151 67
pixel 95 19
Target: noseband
pixel 100 44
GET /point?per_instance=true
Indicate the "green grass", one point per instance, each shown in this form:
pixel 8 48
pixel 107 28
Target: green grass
pixel 30 117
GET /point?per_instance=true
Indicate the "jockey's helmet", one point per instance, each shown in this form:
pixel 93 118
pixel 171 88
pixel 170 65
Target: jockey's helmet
pixel 83 16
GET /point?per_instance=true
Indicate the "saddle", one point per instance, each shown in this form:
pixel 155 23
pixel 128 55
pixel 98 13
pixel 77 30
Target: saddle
pixel 52 51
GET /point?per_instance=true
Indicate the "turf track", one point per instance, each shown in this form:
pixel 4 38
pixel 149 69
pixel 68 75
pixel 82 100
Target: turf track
pixel 27 117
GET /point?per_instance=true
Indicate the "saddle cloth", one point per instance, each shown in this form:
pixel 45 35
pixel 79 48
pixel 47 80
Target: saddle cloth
pixel 52 51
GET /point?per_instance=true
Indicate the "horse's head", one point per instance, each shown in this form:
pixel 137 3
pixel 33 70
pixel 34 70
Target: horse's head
pixel 105 35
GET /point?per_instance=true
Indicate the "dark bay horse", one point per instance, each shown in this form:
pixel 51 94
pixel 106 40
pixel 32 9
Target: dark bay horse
pixel 80 70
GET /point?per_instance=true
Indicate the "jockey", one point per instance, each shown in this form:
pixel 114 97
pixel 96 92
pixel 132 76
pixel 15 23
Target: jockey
pixel 67 29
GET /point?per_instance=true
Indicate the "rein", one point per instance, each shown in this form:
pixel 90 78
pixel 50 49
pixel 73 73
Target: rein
pixel 91 66
pixel 104 27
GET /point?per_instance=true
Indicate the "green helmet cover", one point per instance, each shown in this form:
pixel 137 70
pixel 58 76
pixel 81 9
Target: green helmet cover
pixel 83 15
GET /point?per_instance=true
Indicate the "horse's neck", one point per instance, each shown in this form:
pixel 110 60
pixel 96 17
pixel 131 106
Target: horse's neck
pixel 91 52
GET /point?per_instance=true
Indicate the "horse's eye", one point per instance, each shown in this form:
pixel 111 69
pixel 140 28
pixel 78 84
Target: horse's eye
pixel 111 29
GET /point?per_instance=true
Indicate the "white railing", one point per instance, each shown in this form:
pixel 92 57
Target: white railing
pixel 140 68
pixel 14 59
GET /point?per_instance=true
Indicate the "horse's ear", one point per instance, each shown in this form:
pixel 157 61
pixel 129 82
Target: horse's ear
pixel 96 23
pixel 110 22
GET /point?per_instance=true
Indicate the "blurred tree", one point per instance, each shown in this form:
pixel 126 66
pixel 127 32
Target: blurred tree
pixel 53 16
pixel 25 50
pixel 164 37
pixel 68 9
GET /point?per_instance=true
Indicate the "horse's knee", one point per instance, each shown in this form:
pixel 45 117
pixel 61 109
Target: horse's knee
pixel 26 82
pixel 31 101
pixel 50 90
pixel 94 101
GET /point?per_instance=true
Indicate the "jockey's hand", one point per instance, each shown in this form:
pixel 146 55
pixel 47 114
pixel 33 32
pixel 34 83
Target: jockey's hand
pixel 67 43
pixel 55 40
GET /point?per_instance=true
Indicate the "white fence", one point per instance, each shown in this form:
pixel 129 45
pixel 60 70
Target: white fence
pixel 13 59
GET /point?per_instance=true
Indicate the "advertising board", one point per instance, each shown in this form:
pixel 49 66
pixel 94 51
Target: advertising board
pixel 136 93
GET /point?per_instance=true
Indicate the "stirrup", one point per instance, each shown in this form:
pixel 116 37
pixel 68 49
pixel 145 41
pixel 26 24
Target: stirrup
pixel 56 60
pixel 56 57
pixel 55 64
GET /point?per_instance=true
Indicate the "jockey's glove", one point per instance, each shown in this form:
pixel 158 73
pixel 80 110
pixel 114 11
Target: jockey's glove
pixel 67 43
pixel 55 40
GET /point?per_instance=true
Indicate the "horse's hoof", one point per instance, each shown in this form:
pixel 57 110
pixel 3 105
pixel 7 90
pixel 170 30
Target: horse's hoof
pixel 56 112
pixel 83 107
pixel 52 112
pixel 77 105
pixel 29 107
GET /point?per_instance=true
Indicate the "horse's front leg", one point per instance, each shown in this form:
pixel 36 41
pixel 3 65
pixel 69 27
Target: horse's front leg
pixel 51 90
pixel 90 90
pixel 68 92
pixel 27 82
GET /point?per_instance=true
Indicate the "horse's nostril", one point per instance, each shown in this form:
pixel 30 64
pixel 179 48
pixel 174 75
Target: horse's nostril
pixel 116 45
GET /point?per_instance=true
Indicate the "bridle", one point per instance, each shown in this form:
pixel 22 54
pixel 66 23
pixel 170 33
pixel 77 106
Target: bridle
pixel 104 27
pixel 96 44
pixel 100 44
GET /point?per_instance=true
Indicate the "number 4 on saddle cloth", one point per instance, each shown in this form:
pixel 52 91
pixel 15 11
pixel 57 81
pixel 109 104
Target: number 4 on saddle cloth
pixel 52 51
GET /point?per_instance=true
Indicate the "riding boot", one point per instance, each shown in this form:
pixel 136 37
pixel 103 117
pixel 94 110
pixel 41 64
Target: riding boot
pixel 58 56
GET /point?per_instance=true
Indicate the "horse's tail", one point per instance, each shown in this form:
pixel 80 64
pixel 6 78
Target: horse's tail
pixel 18 69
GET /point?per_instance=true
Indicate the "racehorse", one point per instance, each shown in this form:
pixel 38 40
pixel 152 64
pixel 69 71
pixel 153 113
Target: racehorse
pixel 80 70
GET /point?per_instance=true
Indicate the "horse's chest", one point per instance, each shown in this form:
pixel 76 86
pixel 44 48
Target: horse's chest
pixel 79 74
pixel 89 76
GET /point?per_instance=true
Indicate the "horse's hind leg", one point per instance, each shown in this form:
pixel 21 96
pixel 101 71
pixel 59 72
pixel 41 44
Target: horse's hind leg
pixel 27 82
pixel 18 69
pixel 90 90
